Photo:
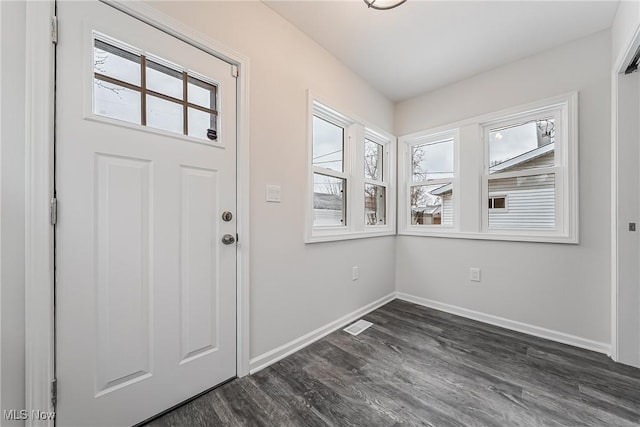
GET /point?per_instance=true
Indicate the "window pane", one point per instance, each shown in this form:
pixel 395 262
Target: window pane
pixel 525 146
pixel 115 62
pixel 432 204
pixel 201 124
pixel 163 114
pixel 373 160
pixel 374 204
pixel 201 93
pixel 432 161
pixel 499 203
pixel 531 202
pixel 328 200
pixel 328 144
pixel 164 80
pixel 117 102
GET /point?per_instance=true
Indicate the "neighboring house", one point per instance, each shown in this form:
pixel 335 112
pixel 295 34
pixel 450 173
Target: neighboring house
pixel 523 202
pixel 518 202
pixel 428 215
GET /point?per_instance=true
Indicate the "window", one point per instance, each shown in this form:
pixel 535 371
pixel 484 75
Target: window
pixel 524 167
pixel 430 166
pixel 498 203
pixel 375 187
pixel 139 88
pixel 519 179
pixel 329 180
pixel 351 177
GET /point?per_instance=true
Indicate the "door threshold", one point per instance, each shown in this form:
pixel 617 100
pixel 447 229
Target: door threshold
pixel 184 402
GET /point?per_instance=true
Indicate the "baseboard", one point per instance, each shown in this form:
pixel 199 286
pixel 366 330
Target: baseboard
pixel 513 325
pixel 272 356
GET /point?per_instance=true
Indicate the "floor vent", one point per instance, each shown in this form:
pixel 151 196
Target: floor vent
pixel 358 327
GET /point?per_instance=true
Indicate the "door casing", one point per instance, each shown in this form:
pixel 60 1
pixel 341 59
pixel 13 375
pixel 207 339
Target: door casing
pixel 619 67
pixel 40 180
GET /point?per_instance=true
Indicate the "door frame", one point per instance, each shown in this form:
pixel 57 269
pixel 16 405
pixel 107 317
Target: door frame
pixel 40 180
pixel 619 67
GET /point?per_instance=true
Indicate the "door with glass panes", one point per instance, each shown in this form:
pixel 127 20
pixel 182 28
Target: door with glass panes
pixel 146 265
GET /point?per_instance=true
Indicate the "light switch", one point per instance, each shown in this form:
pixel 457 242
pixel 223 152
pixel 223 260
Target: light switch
pixel 273 193
pixel 632 226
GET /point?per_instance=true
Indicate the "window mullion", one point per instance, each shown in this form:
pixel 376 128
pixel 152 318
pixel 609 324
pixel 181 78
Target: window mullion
pixel 143 90
pixel 185 104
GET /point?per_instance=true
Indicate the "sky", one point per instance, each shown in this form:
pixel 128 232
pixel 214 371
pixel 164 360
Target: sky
pixel 327 144
pixel 505 144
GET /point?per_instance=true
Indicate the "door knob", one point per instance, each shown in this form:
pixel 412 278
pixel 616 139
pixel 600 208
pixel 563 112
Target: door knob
pixel 228 239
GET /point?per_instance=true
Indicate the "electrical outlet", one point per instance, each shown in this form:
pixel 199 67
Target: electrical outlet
pixel 474 274
pixel 355 273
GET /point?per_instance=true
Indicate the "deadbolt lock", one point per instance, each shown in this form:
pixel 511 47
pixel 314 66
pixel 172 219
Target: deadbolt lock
pixel 227 216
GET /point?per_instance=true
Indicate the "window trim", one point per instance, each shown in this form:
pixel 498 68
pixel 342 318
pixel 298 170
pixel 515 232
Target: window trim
pixel 356 130
pixel 376 138
pixel 473 179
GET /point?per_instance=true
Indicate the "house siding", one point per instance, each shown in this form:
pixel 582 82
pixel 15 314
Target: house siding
pixel 447 209
pixel 530 202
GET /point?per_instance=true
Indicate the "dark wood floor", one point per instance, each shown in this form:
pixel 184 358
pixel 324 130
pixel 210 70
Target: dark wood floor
pixel 418 366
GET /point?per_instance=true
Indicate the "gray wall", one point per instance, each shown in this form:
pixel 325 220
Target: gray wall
pixel 565 288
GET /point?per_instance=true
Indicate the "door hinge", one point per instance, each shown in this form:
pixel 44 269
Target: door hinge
pixel 234 71
pixel 54 30
pixel 53 211
pixel 54 392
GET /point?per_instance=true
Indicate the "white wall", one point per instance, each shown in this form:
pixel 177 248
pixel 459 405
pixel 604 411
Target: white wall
pixel 625 24
pixel 626 152
pixel 12 202
pixel 295 288
pixel 564 288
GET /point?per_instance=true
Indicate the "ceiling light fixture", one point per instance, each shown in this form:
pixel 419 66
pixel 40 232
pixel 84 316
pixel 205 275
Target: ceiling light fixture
pixel 386 6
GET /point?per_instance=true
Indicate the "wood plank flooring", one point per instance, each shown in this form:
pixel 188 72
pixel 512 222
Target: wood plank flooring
pixel 418 366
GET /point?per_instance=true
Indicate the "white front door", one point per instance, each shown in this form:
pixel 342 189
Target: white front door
pixel 145 168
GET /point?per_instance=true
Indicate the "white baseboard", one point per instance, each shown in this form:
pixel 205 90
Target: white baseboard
pixel 537 331
pixel 272 356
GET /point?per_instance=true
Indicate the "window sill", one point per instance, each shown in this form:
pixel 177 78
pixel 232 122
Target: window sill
pixel 510 237
pixel 319 236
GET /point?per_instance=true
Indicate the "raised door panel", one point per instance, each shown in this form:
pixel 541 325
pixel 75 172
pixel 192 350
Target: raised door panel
pixel 123 271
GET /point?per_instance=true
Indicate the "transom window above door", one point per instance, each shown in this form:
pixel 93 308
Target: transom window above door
pixel 140 88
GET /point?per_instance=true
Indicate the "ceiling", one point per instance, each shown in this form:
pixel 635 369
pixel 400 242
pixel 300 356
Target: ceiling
pixel 423 45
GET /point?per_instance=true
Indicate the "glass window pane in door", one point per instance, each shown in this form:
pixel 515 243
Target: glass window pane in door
pixel 116 102
pixel 201 93
pixel 165 115
pixel 164 80
pixel 115 62
pixel 202 124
